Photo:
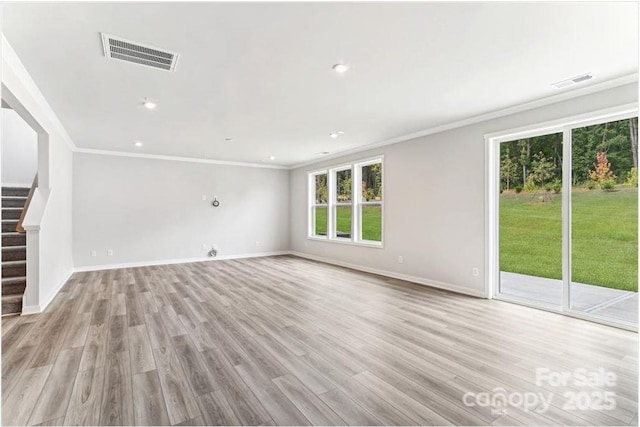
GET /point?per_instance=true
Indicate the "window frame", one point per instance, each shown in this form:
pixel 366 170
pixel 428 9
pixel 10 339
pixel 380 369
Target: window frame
pixel 313 204
pixel 333 198
pixel 361 201
pixel 357 203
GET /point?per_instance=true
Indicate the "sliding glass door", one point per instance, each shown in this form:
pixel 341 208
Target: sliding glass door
pixel 604 220
pixel 531 219
pixel 566 218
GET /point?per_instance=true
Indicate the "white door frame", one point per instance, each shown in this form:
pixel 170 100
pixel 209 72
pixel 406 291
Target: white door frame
pixel 492 180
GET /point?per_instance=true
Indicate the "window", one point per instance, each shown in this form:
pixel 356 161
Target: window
pixel 319 205
pixel 371 203
pixel 346 203
pixel 343 204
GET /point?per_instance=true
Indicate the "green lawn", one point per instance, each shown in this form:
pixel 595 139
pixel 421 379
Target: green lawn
pixel 371 221
pixel 604 237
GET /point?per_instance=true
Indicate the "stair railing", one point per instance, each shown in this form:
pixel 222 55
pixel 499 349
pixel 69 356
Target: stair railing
pixel 19 228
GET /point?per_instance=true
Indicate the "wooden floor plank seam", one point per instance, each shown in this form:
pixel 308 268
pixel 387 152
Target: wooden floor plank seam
pixel 286 340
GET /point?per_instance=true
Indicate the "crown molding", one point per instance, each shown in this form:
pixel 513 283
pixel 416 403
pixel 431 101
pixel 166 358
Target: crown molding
pixel 531 105
pixel 176 158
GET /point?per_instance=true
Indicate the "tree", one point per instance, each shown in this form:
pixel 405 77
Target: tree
pixel 508 168
pixel 585 143
pixel 377 170
pixel 346 189
pixel 601 169
pixel 614 138
pixel 633 136
pixel 372 181
pixel 619 139
pixel 525 155
pixel 322 193
pixel 542 169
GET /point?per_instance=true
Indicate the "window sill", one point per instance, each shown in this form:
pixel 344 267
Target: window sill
pixel 375 245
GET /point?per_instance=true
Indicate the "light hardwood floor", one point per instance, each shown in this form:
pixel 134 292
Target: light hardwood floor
pixel 287 341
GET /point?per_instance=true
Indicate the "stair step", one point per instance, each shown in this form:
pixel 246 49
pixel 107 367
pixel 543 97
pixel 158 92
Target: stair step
pixel 11 213
pixel 14 239
pixel 14 269
pixel 11 304
pixel 9 225
pixel 14 253
pixel 14 285
pixel 15 191
pixel 13 202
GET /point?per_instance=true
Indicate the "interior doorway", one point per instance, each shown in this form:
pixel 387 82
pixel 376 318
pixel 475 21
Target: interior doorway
pixel 19 157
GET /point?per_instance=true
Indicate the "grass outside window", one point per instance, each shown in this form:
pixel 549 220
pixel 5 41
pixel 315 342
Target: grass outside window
pixel 604 237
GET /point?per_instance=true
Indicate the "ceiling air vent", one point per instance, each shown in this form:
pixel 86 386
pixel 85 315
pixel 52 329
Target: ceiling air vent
pixel 138 53
pixel 570 82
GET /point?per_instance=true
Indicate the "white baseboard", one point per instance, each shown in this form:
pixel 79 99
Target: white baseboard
pixel 394 275
pixel 31 309
pixel 177 261
pixel 35 309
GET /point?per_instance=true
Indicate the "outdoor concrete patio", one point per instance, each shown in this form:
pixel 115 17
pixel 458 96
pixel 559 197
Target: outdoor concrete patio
pixel 614 303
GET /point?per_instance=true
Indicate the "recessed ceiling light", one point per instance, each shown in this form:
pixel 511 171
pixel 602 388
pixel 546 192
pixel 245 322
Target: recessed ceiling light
pixel 272 157
pixel 138 144
pixel 323 153
pixel 150 104
pixel 228 139
pixel 340 68
pixel 335 134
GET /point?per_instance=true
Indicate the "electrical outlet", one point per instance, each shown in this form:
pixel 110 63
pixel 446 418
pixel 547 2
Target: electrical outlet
pixel 94 253
pixel 204 246
pixel 475 271
pixel 204 197
pixel 109 252
pixel 400 259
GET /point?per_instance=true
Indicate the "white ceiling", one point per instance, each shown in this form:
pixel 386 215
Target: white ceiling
pixel 261 73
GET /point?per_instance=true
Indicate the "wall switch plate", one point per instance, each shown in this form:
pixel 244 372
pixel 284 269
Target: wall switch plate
pixel 94 253
pixel 475 271
pixel 204 246
pixel 110 252
pixel 204 197
pixel 400 259
pixel 257 243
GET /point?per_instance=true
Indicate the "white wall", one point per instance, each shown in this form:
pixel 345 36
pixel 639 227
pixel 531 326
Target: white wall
pixel 434 212
pixel 149 210
pixel 50 213
pixel 19 150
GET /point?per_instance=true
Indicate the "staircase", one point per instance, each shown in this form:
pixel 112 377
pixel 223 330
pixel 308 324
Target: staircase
pixel 14 250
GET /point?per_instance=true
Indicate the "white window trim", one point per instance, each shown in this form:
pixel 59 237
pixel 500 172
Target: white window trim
pixel 312 205
pixel 333 197
pixel 356 203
